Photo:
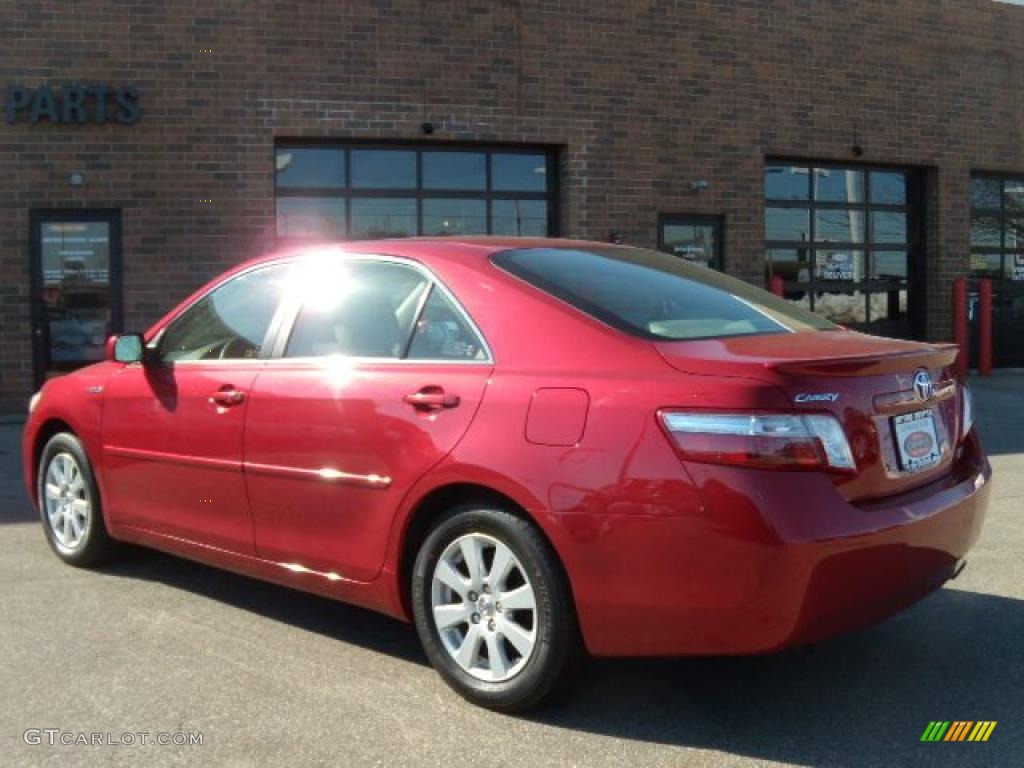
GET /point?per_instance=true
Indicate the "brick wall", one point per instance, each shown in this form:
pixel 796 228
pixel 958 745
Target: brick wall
pixel 645 97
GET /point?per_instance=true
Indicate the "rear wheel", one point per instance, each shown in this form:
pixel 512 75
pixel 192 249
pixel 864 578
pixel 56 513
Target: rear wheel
pixel 69 503
pixel 493 609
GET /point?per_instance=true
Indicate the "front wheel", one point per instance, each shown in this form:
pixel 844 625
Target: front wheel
pixel 69 503
pixel 493 609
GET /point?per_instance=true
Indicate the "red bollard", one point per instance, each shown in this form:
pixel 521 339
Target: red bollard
pixel 985 326
pixel 960 325
pixel 775 285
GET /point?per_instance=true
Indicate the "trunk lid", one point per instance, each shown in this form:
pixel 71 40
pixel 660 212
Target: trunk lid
pixel 867 382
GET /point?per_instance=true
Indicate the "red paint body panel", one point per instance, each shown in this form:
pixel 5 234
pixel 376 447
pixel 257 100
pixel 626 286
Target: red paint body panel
pixel 354 420
pixel 776 561
pixel 318 473
pixel 172 460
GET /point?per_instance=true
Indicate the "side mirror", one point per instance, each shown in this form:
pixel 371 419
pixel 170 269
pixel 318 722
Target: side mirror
pixel 128 348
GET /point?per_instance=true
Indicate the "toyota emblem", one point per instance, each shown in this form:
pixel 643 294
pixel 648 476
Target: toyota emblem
pixel 923 385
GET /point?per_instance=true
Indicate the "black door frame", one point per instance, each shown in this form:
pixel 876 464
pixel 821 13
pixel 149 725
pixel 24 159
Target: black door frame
pixel 696 219
pixel 38 319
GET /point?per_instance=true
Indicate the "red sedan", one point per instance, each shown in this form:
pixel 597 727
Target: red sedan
pixel 530 448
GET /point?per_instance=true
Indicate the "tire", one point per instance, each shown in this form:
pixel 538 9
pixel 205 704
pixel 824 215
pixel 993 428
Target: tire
pixel 69 503
pixel 503 658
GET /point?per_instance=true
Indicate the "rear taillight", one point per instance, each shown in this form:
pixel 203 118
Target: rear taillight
pixel 765 440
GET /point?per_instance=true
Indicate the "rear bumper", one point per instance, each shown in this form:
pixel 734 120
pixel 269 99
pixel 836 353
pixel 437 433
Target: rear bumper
pixel 851 583
pixel 781 560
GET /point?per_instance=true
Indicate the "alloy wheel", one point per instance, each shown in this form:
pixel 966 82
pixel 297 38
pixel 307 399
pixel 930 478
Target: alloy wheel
pixel 66 497
pixel 484 607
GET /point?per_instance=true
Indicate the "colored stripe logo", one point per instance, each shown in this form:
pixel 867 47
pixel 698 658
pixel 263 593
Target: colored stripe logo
pixel 958 730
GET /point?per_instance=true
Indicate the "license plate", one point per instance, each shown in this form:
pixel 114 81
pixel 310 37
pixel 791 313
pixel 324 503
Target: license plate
pixel 916 440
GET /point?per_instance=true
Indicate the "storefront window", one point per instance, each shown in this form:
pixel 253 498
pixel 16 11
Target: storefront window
pixel 889 227
pixel 838 226
pixel 787 224
pixel 519 172
pixel 383 169
pixel 310 217
pixel 454 170
pixel 997 227
pixel 839 185
pixel 310 168
pixel 787 182
pixel 376 217
pixel 520 218
pixel 791 264
pixel 362 191
pixel 443 216
pixel 889 265
pixel 841 239
pixel 888 188
pixel 842 265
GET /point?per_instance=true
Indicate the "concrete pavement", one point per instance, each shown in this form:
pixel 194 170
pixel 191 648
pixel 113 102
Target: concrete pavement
pixel 274 677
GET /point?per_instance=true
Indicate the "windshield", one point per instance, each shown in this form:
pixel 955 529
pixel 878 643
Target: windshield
pixel 655 295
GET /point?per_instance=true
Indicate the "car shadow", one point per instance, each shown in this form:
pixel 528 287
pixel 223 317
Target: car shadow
pixel 861 699
pixel 341 621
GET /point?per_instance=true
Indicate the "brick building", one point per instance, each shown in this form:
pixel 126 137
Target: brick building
pixel 864 151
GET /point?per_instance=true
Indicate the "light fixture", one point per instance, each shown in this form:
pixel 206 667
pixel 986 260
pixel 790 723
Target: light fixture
pixel 699 184
pixel 77 179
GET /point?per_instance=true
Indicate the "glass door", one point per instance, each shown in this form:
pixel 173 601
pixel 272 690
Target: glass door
pixel 693 237
pixel 75 263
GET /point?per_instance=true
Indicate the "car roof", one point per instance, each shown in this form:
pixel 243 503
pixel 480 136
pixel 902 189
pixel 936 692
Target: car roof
pixel 425 248
pixel 472 252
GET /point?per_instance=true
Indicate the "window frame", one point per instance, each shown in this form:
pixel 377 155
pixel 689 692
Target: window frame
pixel 419 193
pixel 291 309
pixel 152 347
pixel 913 246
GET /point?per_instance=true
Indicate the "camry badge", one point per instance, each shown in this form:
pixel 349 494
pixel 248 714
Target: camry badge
pixel 923 385
pixel 816 397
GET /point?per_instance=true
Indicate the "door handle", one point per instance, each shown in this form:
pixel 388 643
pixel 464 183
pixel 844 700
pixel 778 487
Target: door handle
pixel 227 396
pixel 432 399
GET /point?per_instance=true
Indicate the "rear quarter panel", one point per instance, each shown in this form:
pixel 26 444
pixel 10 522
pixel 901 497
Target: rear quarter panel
pixel 618 506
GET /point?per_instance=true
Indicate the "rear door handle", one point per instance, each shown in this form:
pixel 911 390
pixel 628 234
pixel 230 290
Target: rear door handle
pixel 432 399
pixel 227 396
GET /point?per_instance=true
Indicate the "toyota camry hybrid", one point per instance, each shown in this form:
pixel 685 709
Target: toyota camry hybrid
pixel 532 449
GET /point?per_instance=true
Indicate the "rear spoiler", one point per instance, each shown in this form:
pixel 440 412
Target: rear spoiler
pixel 930 356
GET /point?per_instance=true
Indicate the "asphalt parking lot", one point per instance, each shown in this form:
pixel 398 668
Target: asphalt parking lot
pixel 273 677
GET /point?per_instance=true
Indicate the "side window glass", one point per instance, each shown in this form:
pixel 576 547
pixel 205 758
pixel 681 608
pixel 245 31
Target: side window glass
pixel 442 333
pixel 363 309
pixel 229 323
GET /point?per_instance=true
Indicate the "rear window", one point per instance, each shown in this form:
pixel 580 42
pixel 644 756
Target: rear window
pixel 655 295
